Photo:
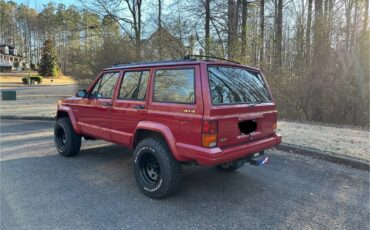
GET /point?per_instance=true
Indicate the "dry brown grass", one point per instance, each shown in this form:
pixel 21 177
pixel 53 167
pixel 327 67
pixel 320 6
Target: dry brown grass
pixel 15 79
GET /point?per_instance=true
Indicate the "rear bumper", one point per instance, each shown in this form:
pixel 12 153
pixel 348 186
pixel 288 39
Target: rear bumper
pixel 216 156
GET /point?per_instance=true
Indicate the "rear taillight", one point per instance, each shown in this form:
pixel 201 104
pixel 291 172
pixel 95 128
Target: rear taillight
pixel 209 134
pixel 274 124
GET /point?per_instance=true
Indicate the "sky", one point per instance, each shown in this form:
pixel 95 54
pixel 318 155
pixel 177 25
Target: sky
pixel 38 4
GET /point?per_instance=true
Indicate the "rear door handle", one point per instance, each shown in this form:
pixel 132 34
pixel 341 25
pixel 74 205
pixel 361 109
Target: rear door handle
pixel 139 107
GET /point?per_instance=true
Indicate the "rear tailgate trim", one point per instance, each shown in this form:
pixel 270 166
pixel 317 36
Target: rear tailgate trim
pixel 215 156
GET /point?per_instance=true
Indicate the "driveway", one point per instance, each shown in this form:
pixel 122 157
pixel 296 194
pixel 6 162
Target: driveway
pixel 96 190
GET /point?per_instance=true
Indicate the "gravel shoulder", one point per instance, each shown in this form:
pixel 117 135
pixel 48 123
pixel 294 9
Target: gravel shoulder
pixel 40 101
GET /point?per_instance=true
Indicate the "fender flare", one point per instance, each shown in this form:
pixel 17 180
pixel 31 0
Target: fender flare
pixel 166 133
pixel 71 116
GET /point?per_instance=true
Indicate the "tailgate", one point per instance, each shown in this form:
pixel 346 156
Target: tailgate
pixel 242 124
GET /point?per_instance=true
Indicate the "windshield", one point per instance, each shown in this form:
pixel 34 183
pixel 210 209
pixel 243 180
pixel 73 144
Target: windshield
pixel 234 85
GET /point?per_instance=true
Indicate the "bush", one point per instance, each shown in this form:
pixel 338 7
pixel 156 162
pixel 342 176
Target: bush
pixel 26 80
pixel 33 67
pixel 32 80
pixel 16 64
pixel 55 72
pixel 37 79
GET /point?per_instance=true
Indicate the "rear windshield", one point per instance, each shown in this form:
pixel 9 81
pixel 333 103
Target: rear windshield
pixel 233 85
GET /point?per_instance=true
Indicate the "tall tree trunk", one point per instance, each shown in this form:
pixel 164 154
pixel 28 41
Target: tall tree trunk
pixel 244 30
pixel 138 31
pixel 230 19
pixel 278 34
pixel 231 25
pixel 318 31
pixel 366 16
pixel 354 26
pixel 207 29
pixel 365 47
pixel 308 34
pixel 160 29
pixel 319 63
pixel 348 12
pixel 262 29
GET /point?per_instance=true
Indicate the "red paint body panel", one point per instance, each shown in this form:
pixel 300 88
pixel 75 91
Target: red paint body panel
pixel 216 156
pixel 125 117
pixel 118 120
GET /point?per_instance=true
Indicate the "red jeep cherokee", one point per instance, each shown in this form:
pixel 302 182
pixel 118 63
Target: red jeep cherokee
pixel 213 113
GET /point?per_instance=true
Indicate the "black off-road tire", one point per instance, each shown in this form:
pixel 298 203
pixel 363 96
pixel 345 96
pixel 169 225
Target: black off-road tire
pixel 231 166
pixel 157 173
pixel 71 143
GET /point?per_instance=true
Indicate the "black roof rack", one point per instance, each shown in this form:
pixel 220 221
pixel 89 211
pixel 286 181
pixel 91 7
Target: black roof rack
pixel 194 57
pixel 148 63
pixel 186 58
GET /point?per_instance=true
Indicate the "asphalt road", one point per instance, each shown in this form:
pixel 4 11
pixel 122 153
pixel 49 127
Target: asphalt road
pixel 35 101
pixel 96 190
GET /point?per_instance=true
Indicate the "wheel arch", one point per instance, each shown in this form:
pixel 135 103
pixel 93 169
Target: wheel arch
pixel 64 111
pixel 152 129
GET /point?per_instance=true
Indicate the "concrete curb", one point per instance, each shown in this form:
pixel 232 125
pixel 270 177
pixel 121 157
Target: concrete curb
pixel 314 153
pixel 7 117
pixel 22 87
pixel 327 156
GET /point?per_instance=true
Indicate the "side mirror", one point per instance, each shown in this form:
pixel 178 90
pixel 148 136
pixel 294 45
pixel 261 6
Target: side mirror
pixel 81 93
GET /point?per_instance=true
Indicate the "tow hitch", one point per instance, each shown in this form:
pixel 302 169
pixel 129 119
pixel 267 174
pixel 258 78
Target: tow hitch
pixel 259 159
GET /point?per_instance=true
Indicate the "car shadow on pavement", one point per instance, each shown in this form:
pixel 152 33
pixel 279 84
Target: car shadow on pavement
pixel 100 165
pixel 197 180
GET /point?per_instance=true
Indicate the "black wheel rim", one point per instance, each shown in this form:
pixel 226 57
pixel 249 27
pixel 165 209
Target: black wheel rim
pixel 60 138
pixel 149 168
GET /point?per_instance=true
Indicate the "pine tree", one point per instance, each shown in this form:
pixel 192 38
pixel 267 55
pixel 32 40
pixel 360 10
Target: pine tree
pixel 49 60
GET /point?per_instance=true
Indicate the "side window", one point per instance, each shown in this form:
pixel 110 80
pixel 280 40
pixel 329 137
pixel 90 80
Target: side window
pixel 134 85
pixel 174 86
pixel 104 88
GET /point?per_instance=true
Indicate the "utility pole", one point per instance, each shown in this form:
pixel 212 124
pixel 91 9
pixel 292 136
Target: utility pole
pixel 29 53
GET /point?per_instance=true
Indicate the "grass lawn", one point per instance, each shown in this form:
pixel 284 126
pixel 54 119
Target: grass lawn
pixel 15 79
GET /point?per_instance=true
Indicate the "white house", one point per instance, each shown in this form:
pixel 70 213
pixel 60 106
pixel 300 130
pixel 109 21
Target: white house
pixel 9 58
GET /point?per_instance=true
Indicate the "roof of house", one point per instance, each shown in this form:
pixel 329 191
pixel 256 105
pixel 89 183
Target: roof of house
pixel 20 56
pixel 10 47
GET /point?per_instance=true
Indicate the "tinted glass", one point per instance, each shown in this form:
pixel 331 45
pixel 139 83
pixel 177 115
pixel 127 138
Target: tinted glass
pixel 104 88
pixel 176 85
pixel 231 85
pixel 134 85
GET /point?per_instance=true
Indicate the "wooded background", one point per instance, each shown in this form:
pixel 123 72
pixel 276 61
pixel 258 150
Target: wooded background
pixel 314 53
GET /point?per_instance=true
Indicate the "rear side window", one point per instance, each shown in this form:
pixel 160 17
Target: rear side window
pixel 232 85
pixel 104 88
pixel 174 86
pixel 134 85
